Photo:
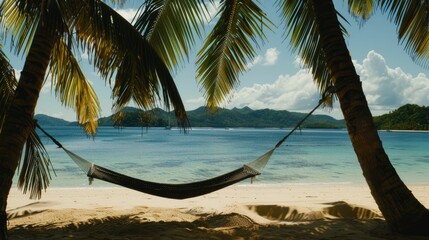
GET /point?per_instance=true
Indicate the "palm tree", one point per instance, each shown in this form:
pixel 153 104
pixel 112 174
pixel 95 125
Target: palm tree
pixel 402 211
pixel 317 36
pixel 48 33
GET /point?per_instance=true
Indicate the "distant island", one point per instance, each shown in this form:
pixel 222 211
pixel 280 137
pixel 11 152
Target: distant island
pixel 407 117
pixel 202 117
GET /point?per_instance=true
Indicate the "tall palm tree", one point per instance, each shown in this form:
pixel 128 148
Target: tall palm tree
pixel 402 211
pixel 317 36
pixel 48 34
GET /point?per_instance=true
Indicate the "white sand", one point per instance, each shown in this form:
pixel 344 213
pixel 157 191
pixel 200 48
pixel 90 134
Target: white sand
pixel 343 211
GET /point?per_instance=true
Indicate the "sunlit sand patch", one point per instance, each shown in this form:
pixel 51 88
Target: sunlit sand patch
pixel 335 210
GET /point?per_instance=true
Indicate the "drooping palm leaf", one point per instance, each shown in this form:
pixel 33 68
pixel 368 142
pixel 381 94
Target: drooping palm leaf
pixel 412 20
pixel 20 19
pixel 34 172
pixel 120 52
pixel 229 47
pixel 170 27
pixel 105 35
pixel 7 85
pixel 299 20
pixel 72 87
pixel 361 9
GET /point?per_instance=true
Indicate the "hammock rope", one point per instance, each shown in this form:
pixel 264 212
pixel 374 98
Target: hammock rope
pixel 183 190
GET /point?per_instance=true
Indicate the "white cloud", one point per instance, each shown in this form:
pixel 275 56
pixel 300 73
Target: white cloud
pixel 128 13
pixel 192 104
pixel 386 89
pixel 270 58
pixel 296 92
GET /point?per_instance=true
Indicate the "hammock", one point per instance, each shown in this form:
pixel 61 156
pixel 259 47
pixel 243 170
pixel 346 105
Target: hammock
pixel 177 191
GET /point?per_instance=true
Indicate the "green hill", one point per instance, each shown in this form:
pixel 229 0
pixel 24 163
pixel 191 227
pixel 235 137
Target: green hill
pixel 245 117
pixel 45 120
pixel 407 117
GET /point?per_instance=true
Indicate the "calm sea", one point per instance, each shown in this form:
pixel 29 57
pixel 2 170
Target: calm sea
pixel 308 156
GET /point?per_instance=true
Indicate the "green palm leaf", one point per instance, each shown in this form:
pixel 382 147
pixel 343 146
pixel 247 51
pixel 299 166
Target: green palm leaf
pixel 34 172
pixel 7 85
pixel 104 35
pixel 361 9
pixel 228 48
pixel 72 87
pixel 121 53
pixel 170 27
pixel 20 19
pixel 299 20
pixel 412 20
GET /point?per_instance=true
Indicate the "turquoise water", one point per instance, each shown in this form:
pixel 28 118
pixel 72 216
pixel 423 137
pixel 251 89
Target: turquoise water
pixel 309 156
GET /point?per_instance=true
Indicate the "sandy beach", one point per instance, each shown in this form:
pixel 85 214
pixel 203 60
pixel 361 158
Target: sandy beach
pixel 325 211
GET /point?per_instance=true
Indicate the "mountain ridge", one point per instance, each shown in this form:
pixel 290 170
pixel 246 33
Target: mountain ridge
pixel 406 117
pixel 202 117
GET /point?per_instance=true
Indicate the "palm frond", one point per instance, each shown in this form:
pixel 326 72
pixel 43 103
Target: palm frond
pixel 34 171
pixel 229 47
pixel 7 85
pixel 20 19
pixel 361 10
pixel 73 88
pixel 171 26
pixel 412 20
pixel 299 20
pixel 120 52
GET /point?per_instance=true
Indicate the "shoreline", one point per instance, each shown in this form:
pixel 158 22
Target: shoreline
pixel 410 131
pixel 318 211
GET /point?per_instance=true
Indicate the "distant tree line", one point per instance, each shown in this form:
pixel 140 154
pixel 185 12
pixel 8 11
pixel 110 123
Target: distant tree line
pixel 202 117
pixel 407 117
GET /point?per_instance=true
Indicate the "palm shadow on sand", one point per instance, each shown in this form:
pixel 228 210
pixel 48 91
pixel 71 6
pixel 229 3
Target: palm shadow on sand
pixel 338 220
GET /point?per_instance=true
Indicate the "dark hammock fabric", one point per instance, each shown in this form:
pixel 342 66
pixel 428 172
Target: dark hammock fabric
pixel 175 191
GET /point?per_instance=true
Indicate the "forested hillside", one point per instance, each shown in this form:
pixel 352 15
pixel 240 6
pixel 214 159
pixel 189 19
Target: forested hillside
pixel 244 117
pixel 407 117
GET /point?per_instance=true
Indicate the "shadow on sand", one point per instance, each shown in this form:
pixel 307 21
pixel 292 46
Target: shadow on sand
pixel 338 220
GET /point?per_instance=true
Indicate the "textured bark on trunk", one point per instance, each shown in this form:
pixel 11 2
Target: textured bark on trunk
pixel 402 211
pixel 19 118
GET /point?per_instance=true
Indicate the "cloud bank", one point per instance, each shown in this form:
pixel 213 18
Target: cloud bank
pixel 269 58
pixel 386 89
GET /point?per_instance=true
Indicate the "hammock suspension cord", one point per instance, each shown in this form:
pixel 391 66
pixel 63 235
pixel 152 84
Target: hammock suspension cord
pixel 183 190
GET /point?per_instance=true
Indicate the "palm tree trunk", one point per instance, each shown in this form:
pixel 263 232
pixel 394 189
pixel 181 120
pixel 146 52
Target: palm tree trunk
pixel 19 118
pixel 402 211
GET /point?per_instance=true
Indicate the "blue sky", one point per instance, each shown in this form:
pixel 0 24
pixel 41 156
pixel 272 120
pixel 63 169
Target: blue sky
pixel 275 80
